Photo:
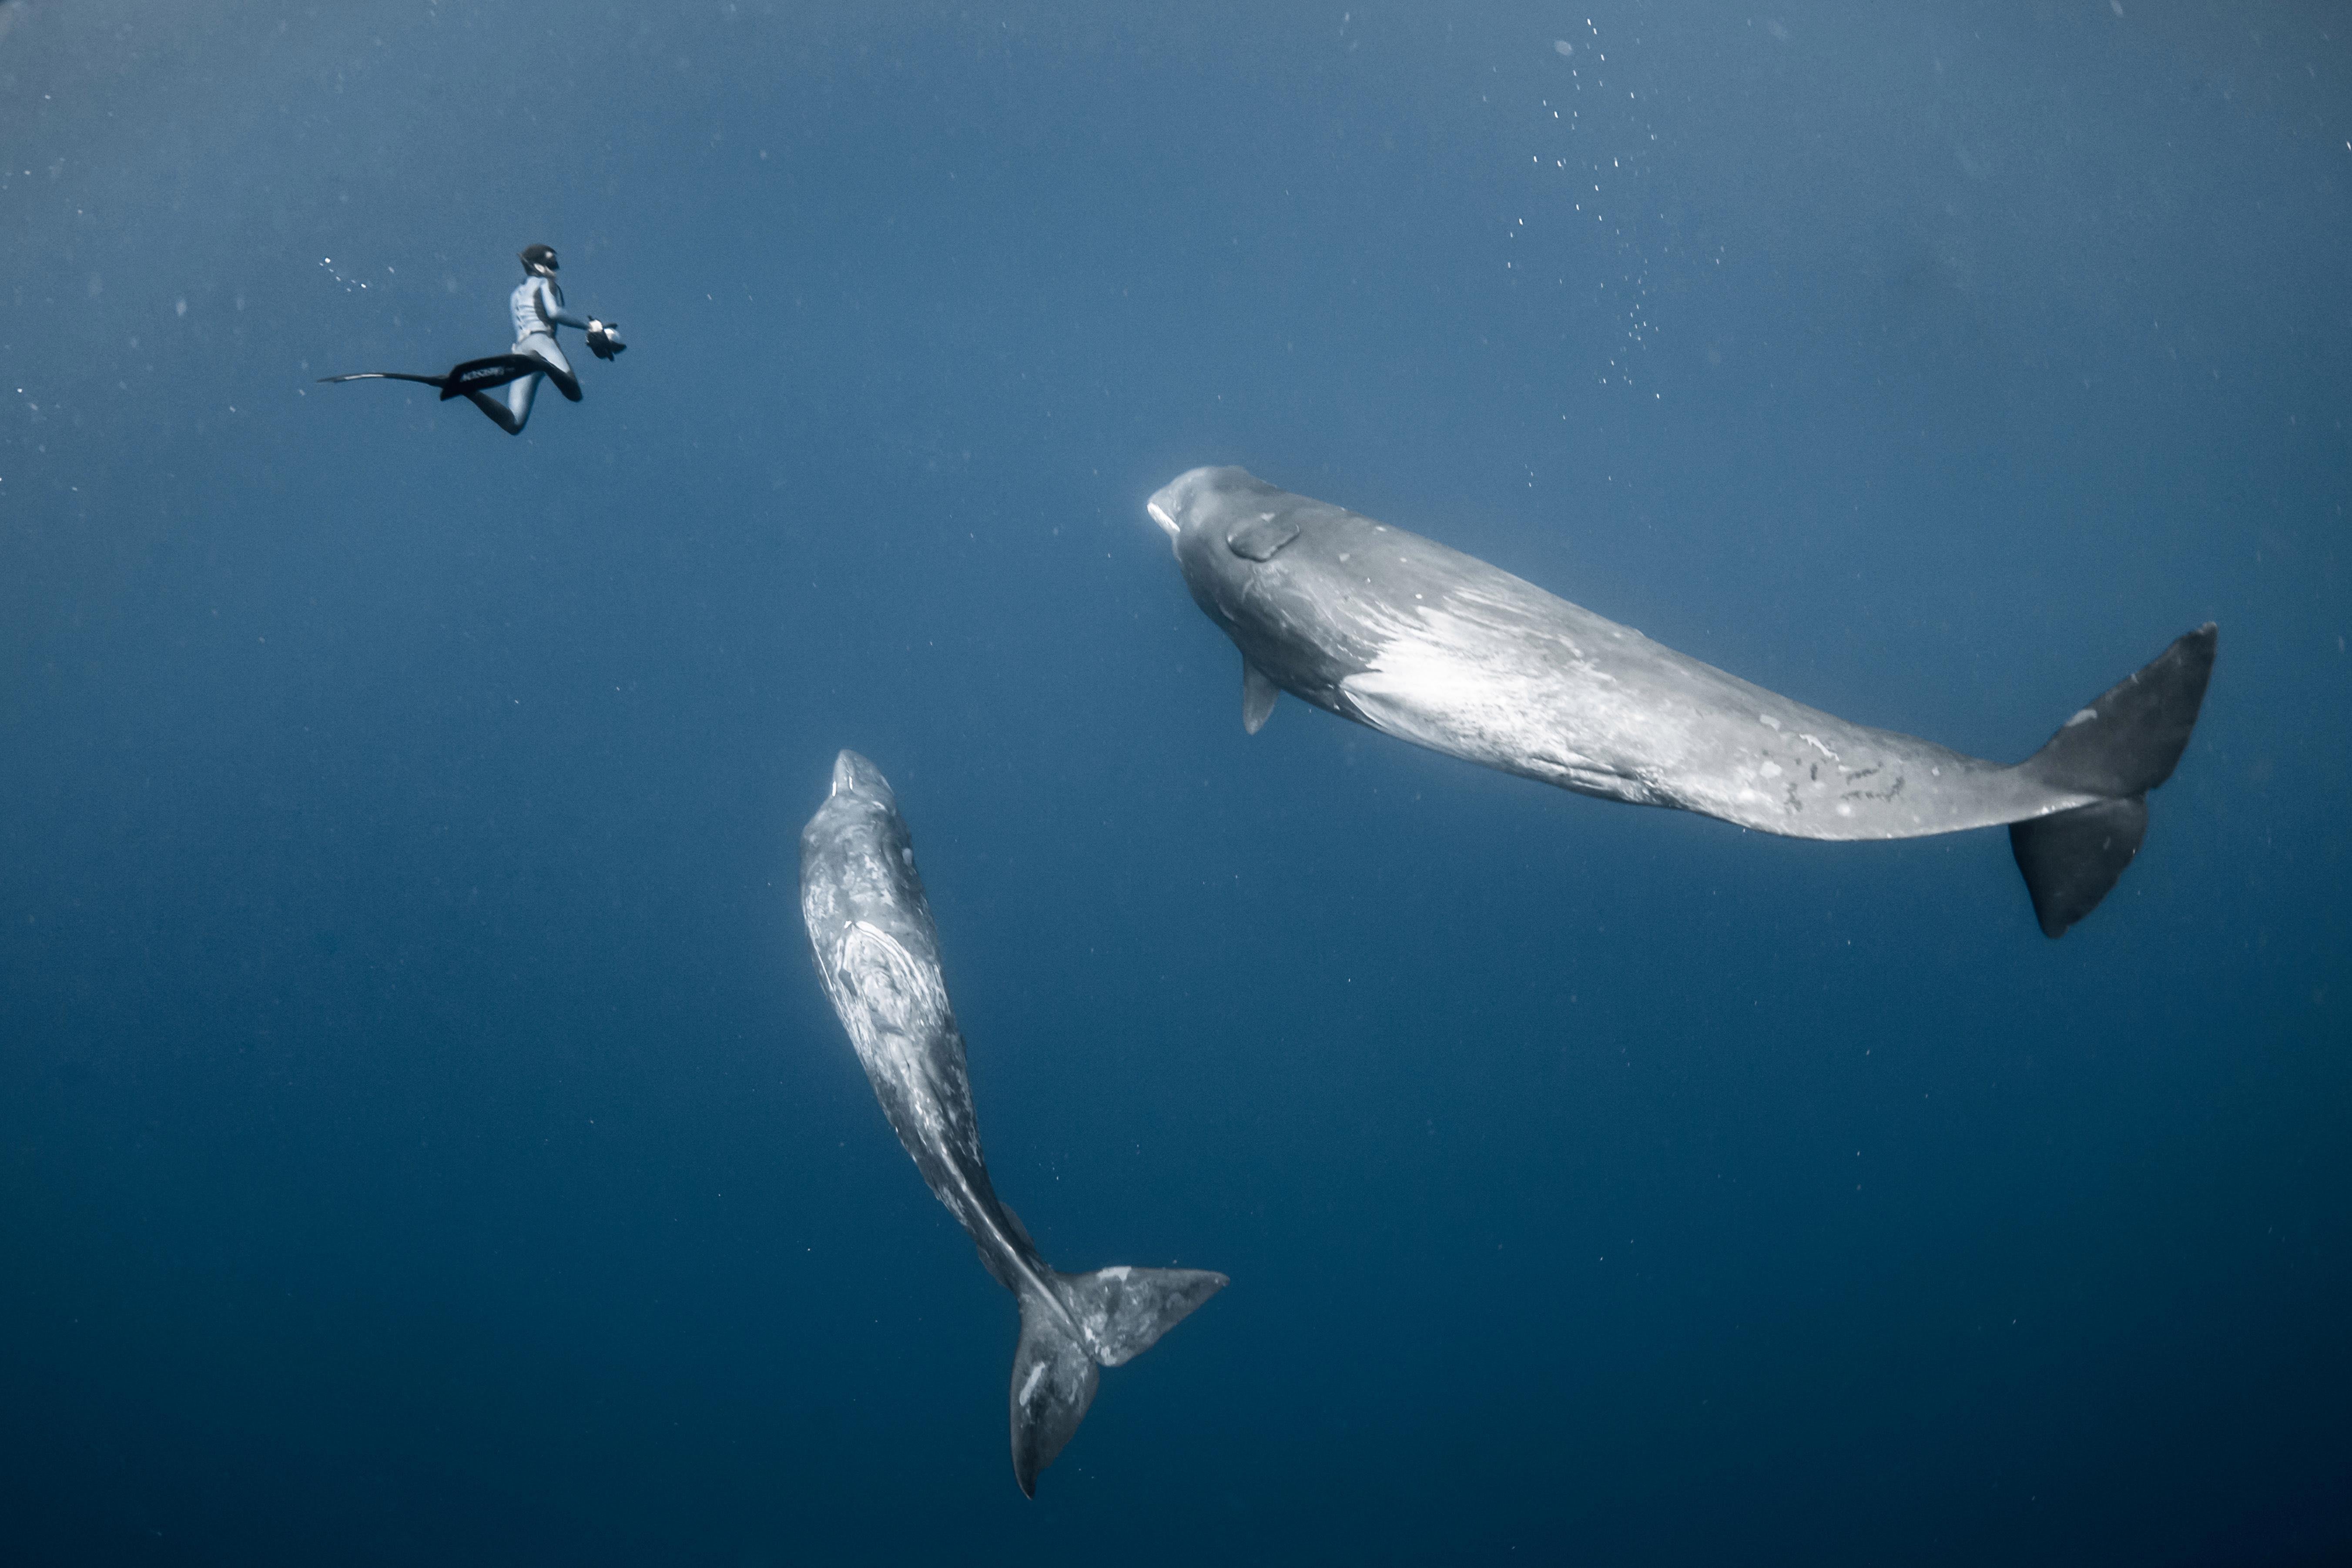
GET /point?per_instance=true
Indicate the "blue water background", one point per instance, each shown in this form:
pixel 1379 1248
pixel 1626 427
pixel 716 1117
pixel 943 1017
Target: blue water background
pixel 422 1138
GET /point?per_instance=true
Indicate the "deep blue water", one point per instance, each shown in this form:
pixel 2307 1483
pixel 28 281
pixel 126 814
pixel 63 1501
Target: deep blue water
pixel 422 1138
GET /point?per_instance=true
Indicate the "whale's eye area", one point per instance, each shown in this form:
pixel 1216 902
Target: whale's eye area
pixel 1261 536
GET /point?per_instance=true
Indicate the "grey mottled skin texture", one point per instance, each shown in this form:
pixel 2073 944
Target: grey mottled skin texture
pixel 1400 633
pixel 878 955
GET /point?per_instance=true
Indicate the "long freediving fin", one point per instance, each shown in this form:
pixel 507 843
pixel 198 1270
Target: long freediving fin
pixel 473 376
pixel 497 370
pixel 387 375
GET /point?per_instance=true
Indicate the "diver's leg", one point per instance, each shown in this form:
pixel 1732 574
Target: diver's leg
pixel 520 393
pixel 559 369
pixel 500 415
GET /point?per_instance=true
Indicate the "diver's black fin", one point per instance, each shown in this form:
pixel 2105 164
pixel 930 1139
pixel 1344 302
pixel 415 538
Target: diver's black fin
pixel 482 375
pixel 387 375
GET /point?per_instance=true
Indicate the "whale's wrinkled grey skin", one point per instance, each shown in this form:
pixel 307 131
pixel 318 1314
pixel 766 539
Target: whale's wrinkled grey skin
pixel 1402 634
pixel 878 955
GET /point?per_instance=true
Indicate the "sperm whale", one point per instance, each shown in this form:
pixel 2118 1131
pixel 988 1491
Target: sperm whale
pixel 878 955
pixel 1406 637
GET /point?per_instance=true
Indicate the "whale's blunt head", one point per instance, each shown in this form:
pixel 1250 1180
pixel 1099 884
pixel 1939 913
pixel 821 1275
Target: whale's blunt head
pixel 1201 511
pixel 1166 508
pixel 1164 514
pixel 858 778
pixel 1186 499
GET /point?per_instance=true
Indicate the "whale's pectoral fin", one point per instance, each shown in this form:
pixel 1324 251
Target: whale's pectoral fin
pixel 1052 1384
pixel 2124 744
pixel 1257 537
pixel 2071 859
pixel 1259 693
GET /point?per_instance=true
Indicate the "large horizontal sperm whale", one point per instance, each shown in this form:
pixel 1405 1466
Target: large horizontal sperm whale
pixel 1415 640
pixel 878 955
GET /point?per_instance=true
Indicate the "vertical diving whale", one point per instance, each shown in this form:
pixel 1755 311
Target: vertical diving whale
pixel 877 953
pixel 1408 637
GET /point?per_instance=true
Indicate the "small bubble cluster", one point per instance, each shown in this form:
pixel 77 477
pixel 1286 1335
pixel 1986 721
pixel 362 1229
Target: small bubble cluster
pixel 1591 139
pixel 351 281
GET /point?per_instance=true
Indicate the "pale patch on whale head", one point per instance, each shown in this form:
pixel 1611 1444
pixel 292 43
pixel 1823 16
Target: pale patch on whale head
pixel 1174 504
pixel 853 775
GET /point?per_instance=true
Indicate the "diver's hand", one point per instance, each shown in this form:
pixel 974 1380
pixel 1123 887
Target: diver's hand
pixel 604 338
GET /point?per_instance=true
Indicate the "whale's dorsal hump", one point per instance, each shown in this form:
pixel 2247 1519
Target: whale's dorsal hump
pixel 1259 535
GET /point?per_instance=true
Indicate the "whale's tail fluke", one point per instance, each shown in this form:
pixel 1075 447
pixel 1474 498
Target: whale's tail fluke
pixel 1104 1317
pixel 2120 747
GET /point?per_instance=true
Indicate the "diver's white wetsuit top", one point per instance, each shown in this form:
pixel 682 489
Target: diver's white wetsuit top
pixel 538 309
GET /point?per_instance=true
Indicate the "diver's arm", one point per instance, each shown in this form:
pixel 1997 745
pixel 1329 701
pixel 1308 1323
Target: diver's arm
pixel 604 339
pixel 551 306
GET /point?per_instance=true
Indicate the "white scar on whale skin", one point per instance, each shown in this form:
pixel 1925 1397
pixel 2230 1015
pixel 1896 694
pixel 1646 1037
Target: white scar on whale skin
pixel 1469 676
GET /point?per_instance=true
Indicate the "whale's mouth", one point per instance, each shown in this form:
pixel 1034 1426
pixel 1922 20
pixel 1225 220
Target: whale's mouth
pixel 1159 515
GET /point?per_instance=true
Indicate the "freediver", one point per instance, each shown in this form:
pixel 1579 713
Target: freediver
pixel 538 308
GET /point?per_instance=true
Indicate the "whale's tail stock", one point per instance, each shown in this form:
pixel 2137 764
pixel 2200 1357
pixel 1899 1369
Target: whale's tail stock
pixel 2119 748
pixel 1105 1317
